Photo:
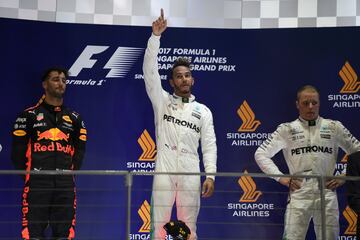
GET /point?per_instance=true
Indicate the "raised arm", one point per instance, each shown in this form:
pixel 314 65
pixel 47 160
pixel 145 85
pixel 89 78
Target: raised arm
pixel 150 65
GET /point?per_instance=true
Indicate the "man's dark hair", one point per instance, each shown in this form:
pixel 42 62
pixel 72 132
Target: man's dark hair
pixel 181 61
pixel 54 69
pixel 306 87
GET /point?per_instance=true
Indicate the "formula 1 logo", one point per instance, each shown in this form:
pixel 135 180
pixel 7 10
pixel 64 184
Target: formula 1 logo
pixel 248 185
pixel 119 63
pixel 248 118
pixel 349 76
pixel 148 147
pixel 144 213
pixel 351 218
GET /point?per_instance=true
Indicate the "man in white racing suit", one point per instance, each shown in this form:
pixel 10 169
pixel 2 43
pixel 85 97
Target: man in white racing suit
pixel 180 123
pixel 310 146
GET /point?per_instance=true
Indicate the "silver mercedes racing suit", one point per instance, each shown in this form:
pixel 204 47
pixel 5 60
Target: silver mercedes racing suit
pixel 179 127
pixel 308 149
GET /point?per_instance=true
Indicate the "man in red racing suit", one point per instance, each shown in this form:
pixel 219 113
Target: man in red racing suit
pixel 49 136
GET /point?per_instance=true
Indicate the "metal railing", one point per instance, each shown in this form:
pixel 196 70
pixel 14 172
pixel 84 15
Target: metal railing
pixel 130 176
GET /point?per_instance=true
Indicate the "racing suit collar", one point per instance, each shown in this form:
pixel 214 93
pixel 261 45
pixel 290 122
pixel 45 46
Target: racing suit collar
pixel 179 100
pixel 52 108
pixel 311 122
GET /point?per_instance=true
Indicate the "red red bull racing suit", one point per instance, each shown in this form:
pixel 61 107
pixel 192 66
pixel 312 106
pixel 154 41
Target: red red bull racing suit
pixel 179 127
pixel 46 137
pixel 309 148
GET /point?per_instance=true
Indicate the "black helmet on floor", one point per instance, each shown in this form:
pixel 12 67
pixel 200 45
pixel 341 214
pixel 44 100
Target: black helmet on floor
pixel 177 229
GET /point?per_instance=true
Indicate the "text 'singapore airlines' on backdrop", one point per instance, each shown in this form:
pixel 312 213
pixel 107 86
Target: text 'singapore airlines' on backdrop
pixel 248 78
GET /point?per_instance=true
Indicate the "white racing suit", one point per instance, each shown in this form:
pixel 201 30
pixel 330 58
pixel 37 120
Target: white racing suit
pixel 311 150
pixel 179 127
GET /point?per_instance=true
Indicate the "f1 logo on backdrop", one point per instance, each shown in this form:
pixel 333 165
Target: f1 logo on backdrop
pixel 248 118
pixel 118 65
pixel 248 185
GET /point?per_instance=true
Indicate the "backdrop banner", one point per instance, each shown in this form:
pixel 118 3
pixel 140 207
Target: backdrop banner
pixel 248 78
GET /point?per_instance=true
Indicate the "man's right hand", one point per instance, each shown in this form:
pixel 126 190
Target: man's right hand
pixel 292 183
pixel 159 26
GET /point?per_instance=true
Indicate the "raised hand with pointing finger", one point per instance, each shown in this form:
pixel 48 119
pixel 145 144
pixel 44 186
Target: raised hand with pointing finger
pixel 160 24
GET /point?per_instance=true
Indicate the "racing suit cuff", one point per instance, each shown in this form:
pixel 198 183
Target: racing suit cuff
pixel 211 177
pixel 155 36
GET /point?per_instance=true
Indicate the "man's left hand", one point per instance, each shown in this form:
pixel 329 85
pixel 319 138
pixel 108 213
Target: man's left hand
pixel 334 183
pixel 207 188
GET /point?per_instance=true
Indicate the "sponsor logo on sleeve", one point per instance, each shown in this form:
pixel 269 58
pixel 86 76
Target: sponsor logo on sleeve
pixel 19 133
pixel 40 117
pixel 20 120
pixel 67 118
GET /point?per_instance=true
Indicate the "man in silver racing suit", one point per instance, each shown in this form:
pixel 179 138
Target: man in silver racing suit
pixel 180 123
pixel 310 146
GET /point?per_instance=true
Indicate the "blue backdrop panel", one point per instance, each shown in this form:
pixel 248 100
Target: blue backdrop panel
pixel 259 70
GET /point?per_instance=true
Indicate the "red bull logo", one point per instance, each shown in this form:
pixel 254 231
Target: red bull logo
pixel 52 147
pixel 53 134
